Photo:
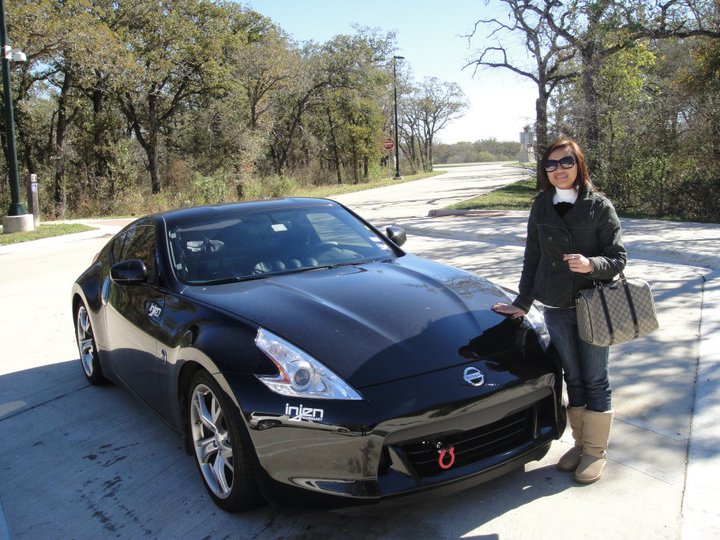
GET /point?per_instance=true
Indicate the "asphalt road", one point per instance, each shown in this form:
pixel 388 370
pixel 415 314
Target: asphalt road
pixel 78 461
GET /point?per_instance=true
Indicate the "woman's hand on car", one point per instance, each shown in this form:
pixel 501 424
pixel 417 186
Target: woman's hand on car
pixel 508 309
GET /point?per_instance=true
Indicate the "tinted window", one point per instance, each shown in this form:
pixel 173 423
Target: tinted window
pixel 272 242
pixel 117 248
pixel 140 244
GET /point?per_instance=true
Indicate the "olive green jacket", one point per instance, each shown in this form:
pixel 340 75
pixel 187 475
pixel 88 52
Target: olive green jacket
pixel 591 227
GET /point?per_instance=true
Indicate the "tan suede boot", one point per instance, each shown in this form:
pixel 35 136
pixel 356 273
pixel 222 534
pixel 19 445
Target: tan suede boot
pixel 571 458
pixel 596 434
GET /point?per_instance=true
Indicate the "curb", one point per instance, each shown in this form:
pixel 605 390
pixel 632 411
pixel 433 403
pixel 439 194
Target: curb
pixel 22 247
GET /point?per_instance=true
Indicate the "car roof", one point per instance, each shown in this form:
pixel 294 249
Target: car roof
pixel 187 215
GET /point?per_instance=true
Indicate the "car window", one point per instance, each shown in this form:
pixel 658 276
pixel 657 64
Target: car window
pixel 117 248
pixel 139 243
pixel 270 242
pixel 331 228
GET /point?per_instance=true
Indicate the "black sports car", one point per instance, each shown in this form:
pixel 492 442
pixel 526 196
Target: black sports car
pixel 306 357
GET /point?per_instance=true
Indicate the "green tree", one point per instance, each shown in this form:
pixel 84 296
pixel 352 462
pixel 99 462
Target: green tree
pixel 352 105
pixel 229 132
pixel 177 49
pixel 332 101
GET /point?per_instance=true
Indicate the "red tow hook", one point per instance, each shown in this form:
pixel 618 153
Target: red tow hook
pixel 442 462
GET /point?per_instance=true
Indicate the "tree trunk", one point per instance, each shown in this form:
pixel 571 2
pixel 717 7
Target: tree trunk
pixel 152 154
pixel 334 146
pixel 152 143
pixel 99 139
pixel 541 127
pixel 592 132
pixel 149 140
pixel 430 154
pixel 60 196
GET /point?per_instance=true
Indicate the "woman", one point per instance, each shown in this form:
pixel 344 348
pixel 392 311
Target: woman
pixel 573 238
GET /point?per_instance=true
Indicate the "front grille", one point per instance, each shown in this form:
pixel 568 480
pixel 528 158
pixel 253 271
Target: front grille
pixel 472 445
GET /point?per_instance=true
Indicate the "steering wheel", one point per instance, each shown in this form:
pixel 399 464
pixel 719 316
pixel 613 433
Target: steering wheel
pixel 212 246
pixel 320 248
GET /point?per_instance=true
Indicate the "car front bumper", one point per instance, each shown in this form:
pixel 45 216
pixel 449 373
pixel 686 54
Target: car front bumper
pixel 387 447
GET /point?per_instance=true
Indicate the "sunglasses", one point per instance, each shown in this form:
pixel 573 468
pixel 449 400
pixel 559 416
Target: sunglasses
pixel 567 162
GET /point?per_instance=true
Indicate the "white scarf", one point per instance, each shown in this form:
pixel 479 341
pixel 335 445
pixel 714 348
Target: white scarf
pixel 565 195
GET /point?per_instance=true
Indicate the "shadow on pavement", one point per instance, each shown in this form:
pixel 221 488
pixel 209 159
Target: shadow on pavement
pixel 82 461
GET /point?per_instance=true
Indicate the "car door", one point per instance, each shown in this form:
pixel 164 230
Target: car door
pixel 133 313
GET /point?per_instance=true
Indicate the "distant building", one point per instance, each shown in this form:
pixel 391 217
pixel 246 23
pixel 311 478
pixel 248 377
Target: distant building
pixel 527 145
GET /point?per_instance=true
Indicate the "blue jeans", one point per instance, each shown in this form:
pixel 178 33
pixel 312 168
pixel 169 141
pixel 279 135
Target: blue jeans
pixel 585 366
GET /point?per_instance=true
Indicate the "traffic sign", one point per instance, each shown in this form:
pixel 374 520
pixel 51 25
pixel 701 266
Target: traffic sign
pixel 388 144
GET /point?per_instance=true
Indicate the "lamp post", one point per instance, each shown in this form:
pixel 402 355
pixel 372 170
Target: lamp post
pixel 16 207
pixel 397 146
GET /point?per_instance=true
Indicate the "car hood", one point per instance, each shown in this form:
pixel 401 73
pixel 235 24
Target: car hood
pixel 377 322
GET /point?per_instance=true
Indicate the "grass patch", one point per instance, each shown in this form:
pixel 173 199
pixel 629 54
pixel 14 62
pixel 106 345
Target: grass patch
pixel 515 196
pixel 524 165
pixel 44 230
pixel 338 189
pixel 520 195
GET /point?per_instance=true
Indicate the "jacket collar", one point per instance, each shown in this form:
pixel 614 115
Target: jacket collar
pixel 584 196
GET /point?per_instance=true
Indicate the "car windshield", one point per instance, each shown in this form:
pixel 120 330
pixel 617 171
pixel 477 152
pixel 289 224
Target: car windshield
pixel 250 246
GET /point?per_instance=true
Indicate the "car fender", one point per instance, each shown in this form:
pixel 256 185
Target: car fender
pixel 87 290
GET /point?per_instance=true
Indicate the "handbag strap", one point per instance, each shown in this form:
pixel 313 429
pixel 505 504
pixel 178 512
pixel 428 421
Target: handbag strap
pixel 606 310
pixel 631 305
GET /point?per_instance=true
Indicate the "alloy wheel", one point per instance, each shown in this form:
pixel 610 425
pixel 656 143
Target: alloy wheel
pixel 212 442
pixel 86 342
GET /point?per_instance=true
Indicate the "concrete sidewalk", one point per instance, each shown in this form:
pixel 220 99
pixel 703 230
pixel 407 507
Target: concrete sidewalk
pixel 695 245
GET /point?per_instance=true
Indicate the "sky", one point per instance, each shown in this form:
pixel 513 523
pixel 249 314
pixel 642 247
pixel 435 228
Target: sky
pixel 430 37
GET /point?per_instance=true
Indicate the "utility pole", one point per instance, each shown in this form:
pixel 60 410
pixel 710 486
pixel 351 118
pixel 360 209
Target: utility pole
pixel 17 210
pixel 397 145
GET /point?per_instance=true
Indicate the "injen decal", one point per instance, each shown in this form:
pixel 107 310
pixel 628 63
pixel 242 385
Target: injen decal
pixel 300 412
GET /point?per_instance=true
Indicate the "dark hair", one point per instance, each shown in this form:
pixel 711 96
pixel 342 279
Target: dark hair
pixel 583 176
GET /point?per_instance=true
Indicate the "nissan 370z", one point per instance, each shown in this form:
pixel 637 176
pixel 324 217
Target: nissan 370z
pixel 306 357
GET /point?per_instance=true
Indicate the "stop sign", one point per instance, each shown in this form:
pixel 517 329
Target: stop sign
pixel 388 144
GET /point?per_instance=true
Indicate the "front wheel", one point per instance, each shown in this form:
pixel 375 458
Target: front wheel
pixel 222 454
pixel 87 347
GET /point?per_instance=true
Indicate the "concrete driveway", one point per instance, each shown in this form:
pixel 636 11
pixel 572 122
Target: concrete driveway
pixel 85 462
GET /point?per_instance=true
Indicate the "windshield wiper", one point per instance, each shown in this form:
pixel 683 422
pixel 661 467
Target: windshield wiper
pixel 222 281
pixel 238 279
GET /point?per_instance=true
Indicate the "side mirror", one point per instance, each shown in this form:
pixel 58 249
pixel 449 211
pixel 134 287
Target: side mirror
pixel 130 272
pixel 397 235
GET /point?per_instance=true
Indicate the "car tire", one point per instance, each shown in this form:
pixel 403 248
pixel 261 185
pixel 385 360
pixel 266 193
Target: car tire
pixel 221 446
pixel 87 347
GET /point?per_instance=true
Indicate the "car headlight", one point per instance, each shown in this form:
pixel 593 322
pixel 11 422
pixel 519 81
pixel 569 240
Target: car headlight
pixel 534 317
pixel 537 321
pixel 300 375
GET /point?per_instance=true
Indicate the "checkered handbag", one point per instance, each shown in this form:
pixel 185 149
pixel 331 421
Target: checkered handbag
pixel 616 312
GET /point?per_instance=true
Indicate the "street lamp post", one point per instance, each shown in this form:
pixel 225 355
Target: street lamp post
pixel 16 207
pixel 397 146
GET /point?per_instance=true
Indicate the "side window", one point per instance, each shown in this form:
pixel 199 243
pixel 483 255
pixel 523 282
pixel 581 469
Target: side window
pixel 140 244
pixel 117 248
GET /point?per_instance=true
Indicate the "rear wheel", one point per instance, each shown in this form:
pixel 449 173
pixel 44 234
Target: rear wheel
pixel 223 455
pixel 87 347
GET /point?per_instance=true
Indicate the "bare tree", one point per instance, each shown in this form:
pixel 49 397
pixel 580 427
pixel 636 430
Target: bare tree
pixel 552 54
pixel 568 40
pixel 430 108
